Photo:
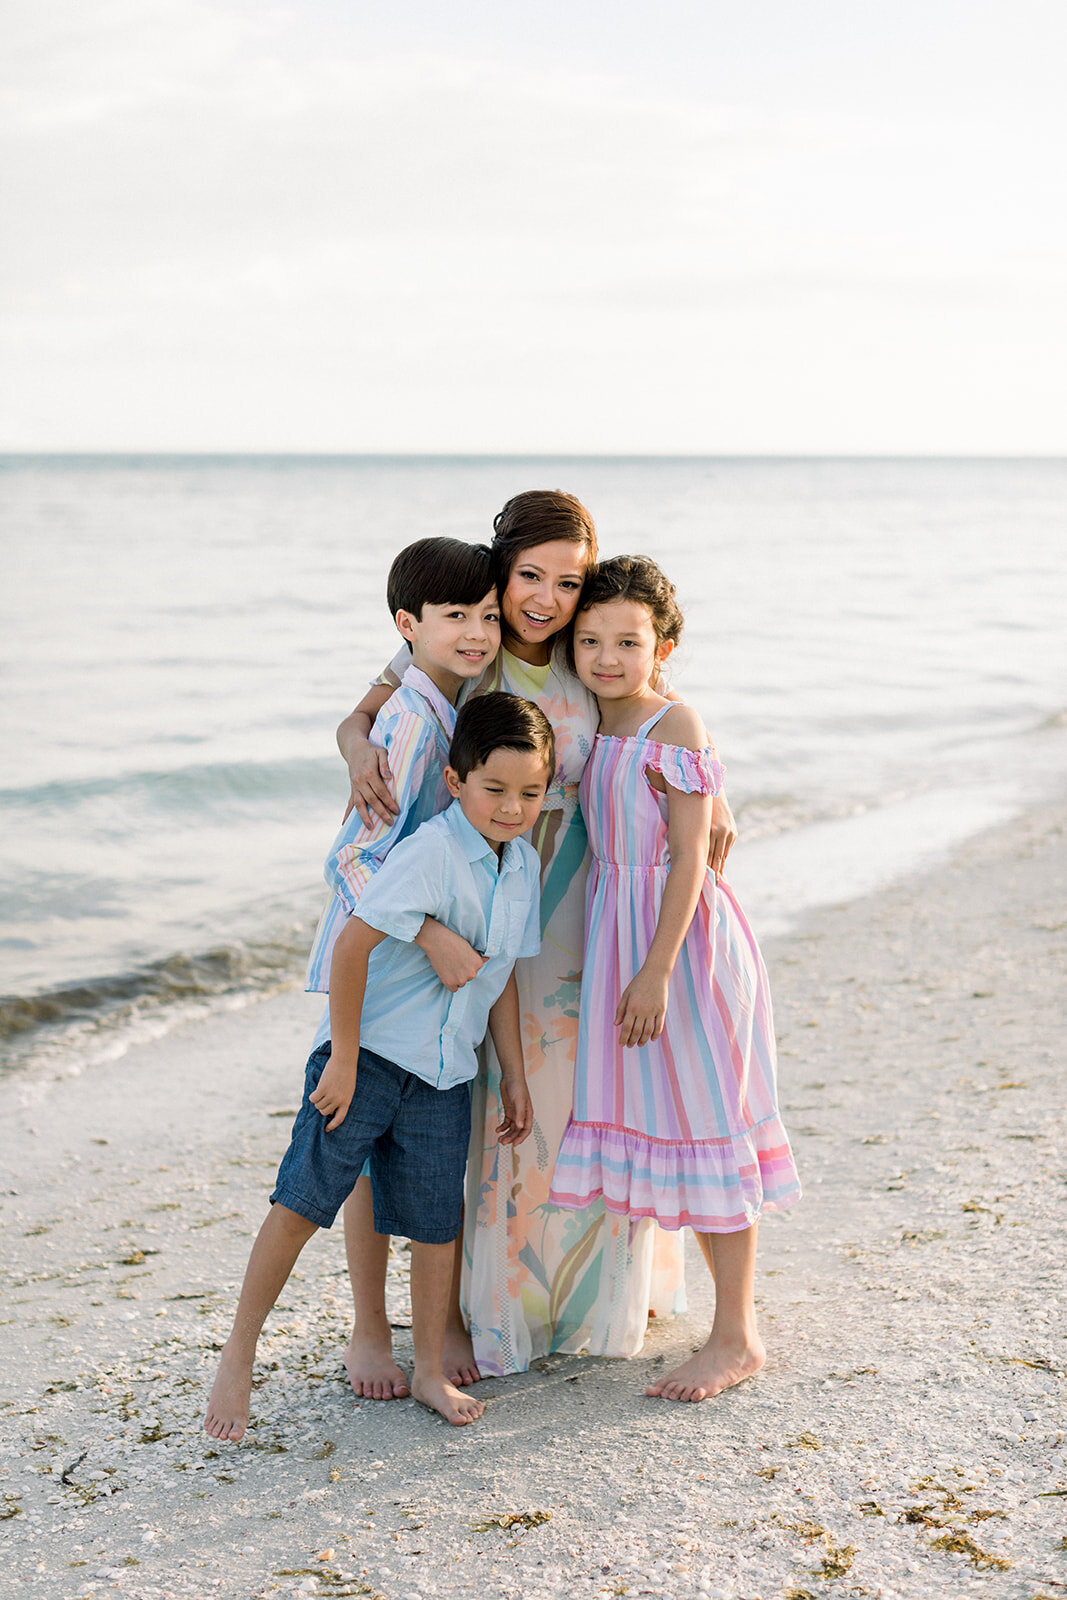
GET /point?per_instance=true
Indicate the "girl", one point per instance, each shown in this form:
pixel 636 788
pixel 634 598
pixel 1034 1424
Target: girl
pixel 675 1111
pixel 535 1279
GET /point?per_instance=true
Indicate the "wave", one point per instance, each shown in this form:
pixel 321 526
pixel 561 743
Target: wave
pixel 73 1018
pixel 207 785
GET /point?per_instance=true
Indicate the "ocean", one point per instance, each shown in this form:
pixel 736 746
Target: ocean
pixel 878 647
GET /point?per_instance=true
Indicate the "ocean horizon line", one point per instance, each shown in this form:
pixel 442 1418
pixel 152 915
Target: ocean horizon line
pixel 10 456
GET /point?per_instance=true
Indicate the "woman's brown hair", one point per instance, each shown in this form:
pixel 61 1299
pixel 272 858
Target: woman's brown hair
pixel 539 516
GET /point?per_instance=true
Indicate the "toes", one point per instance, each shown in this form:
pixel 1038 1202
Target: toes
pixel 463 1377
pixel 219 1428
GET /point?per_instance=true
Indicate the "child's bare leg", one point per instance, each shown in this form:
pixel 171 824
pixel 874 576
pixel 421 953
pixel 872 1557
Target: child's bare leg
pixel 734 1350
pixel 459 1362
pixel 280 1240
pixel 431 1285
pixel 368 1358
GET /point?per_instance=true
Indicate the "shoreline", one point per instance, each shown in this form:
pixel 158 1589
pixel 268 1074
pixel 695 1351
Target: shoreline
pixel 903 1440
pixel 780 878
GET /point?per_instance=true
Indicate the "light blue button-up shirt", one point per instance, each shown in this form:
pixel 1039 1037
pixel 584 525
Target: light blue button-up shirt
pixel 445 870
pixel 415 728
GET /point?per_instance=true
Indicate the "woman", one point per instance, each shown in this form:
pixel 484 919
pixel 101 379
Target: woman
pixel 536 1278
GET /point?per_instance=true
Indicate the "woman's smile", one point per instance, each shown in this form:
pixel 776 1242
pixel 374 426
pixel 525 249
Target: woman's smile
pixel 542 594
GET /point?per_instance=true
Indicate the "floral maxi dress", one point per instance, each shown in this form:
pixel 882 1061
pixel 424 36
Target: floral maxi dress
pixel 536 1277
pixel 686 1128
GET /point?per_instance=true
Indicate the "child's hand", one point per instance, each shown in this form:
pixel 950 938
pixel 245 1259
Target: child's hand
pixel 333 1093
pixel 642 1010
pixel 454 960
pixel 518 1113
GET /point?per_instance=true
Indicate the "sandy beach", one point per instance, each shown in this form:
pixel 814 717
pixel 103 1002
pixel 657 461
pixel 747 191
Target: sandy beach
pixel 908 1436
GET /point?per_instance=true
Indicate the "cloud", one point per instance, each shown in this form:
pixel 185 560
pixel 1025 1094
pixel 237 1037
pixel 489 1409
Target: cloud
pixel 239 223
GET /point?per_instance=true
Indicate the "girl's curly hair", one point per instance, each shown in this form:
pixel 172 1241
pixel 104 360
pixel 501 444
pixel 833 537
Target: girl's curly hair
pixel 635 578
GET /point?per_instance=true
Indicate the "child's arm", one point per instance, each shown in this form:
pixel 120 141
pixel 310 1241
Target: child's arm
pixel 452 957
pixel 348 985
pixel 504 1028
pixel 642 1006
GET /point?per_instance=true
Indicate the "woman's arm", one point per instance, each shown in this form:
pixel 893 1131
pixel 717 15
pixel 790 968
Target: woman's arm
pixel 723 825
pixel 723 833
pixel 368 767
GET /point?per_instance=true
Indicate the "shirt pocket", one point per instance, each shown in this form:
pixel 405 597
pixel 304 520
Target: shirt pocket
pixel 518 916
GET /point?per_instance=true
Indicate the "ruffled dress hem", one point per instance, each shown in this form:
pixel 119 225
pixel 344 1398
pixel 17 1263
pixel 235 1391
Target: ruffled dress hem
pixel 719 1185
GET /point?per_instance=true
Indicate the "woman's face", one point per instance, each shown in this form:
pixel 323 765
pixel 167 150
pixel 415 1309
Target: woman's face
pixel 542 595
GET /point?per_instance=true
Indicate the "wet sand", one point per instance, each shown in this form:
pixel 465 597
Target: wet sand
pixel 905 1440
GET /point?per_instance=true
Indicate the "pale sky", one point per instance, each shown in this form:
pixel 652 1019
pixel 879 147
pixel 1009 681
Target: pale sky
pixel 505 226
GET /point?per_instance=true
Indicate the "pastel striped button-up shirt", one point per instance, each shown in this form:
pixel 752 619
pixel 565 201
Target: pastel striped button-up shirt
pixel 415 728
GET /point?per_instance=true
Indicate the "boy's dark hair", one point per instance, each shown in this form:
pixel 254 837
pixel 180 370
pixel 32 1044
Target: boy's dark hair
pixel 438 572
pixel 499 721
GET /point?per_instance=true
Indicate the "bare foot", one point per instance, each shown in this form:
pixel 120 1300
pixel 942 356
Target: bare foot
pixel 227 1410
pixel 372 1372
pixel 440 1395
pixel 457 1357
pixel 710 1370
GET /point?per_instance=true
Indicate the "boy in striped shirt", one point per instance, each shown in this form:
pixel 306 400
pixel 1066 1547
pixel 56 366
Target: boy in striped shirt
pixel 444 603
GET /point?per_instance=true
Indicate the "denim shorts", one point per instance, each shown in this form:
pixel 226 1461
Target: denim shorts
pixel 414 1135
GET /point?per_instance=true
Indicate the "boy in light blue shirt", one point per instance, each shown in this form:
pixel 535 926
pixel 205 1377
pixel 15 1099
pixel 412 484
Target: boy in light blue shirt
pixel 393 1082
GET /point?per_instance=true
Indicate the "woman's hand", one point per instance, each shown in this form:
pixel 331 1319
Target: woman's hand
pixel 333 1093
pixel 518 1112
pixel 723 833
pixel 368 766
pixel 369 778
pixel 642 1010
pixel 454 960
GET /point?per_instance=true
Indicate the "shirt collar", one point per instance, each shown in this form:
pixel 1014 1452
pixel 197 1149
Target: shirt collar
pixel 440 705
pixel 475 847
pixel 471 842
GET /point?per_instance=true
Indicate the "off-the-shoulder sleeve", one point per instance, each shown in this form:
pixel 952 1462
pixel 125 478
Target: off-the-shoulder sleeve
pixel 691 771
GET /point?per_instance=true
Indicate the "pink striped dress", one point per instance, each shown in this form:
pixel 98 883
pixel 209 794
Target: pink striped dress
pixel 685 1129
